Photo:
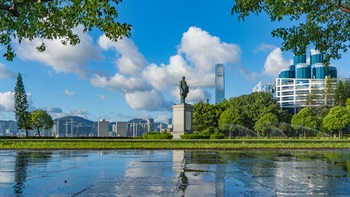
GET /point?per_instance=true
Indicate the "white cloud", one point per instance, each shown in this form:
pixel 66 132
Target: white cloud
pixel 143 84
pixel 62 58
pixel 265 47
pixel 204 51
pixel 7 102
pixel 163 118
pixel 69 93
pixel 131 61
pixel 121 82
pixel 5 73
pixel 150 100
pixel 275 63
pixel 58 112
pixel 55 110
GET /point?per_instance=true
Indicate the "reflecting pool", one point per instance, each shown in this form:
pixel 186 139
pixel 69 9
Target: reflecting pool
pixel 175 173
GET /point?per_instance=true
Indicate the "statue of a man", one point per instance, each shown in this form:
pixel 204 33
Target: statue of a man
pixel 184 89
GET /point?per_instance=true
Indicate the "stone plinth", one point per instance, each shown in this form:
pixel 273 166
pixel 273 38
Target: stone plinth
pixel 182 120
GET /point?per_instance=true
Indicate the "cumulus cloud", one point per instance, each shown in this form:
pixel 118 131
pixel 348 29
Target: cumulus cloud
pixel 275 63
pixel 55 110
pixel 5 73
pixel 61 58
pixel 143 84
pixel 205 50
pixel 121 82
pixel 7 102
pixel 131 61
pixel 151 100
pixel 163 118
pixel 58 112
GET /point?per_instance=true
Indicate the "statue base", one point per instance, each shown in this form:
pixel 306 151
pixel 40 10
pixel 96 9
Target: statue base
pixel 182 120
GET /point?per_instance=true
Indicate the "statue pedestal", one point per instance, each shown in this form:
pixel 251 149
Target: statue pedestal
pixel 182 120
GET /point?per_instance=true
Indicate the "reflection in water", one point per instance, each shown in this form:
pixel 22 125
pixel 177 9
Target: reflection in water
pixel 20 171
pixel 23 159
pixel 175 173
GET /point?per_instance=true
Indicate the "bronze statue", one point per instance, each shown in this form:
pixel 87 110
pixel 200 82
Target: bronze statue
pixel 184 89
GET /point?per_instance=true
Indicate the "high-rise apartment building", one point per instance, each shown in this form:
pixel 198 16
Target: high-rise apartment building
pixel 102 130
pixel 303 85
pixel 219 83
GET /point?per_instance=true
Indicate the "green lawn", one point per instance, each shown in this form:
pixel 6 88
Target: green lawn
pixel 173 144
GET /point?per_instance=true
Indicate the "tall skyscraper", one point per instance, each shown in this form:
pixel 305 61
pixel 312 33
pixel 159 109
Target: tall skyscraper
pixel 219 83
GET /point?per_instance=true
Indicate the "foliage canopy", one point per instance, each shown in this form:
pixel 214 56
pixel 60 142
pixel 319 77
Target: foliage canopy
pixel 40 119
pixel 55 19
pixel 266 123
pixel 323 24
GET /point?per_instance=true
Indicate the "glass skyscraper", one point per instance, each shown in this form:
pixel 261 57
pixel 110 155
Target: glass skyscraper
pixel 219 83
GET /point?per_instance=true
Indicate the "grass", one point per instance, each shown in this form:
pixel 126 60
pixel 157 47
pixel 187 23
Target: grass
pixel 87 143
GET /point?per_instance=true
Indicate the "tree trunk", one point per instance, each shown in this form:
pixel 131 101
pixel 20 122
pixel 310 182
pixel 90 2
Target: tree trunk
pixel 38 132
pixel 340 134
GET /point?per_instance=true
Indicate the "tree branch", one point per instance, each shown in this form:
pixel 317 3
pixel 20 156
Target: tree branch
pixel 342 7
pixel 13 8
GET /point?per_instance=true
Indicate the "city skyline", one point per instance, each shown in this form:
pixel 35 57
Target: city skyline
pixel 138 77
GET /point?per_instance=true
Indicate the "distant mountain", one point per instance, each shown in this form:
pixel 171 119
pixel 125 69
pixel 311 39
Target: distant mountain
pixel 74 126
pixel 81 126
pixel 76 119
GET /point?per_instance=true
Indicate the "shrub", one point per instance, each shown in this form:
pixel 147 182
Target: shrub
pixel 209 130
pixel 156 135
pixel 217 135
pixel 195 136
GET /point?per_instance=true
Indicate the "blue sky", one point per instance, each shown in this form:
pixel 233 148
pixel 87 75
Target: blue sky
pixel 138 77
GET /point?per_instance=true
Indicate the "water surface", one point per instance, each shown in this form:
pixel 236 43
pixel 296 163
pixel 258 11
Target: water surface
pixel 174 173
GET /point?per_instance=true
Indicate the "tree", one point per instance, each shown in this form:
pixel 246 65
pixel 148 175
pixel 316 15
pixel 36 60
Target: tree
pixel 346 84
pixel 204 116
pixel 340 97
pixel 311 98
pixel 255 105
pixel 306 117
pixel 41 120
pixel 265 124
pixel 21 106
pixel 323 24
pixel 337 119
pixel 229 120
pixel 286 128
pixel 55 19
pixel 329 91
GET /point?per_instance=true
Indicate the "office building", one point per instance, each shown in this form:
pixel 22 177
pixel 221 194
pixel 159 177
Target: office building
pixel 219 83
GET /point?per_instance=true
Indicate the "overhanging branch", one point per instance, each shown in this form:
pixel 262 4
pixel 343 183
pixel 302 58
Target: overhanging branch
pixel 14 5
pixel 342 7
